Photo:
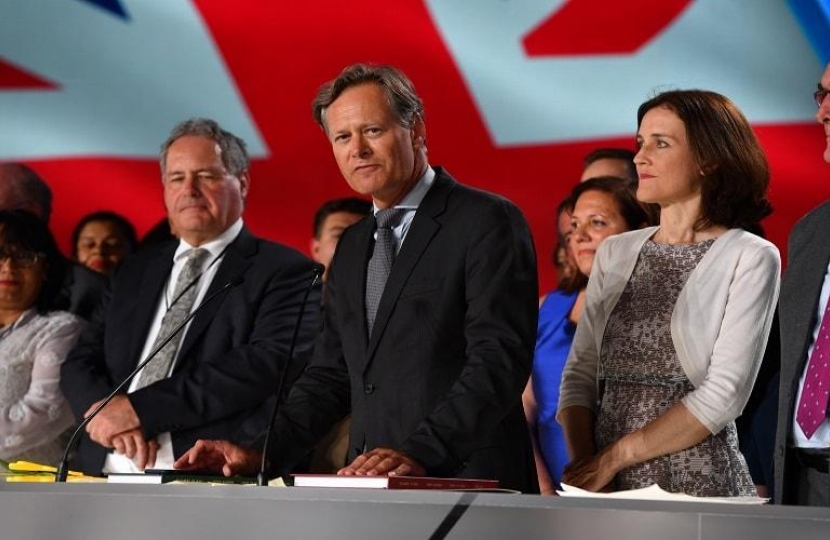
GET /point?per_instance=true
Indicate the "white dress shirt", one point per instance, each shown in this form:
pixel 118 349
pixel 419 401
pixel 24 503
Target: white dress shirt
pixel 410 203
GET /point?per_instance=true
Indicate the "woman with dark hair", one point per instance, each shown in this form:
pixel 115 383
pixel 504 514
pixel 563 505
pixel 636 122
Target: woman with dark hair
pixel 34 341
pixel 677 316
pixel 101 240
pixel 596 209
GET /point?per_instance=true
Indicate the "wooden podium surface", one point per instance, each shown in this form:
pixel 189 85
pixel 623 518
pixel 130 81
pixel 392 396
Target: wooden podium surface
pixel 195 511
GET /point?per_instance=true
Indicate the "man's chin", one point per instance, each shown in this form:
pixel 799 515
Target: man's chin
pixel 191 222
pixel 193 229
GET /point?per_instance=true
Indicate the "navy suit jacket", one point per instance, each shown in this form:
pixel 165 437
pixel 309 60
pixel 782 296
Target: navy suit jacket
pixel 807 258
pixel 231 356
pixel 442 376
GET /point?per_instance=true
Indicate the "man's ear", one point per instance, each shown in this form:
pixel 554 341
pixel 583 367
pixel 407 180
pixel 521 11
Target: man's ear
pixel 418 133
pixel 314 249
pixel 244 184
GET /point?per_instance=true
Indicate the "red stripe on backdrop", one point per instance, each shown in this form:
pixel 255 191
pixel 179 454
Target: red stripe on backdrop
pixel 279 57
pixel 564 32
pixel 14 78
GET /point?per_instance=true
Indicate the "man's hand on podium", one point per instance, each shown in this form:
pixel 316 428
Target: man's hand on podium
pixel 380 461
pixel 220 457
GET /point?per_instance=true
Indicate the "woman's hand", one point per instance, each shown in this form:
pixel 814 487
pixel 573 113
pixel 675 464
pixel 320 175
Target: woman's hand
pixel 593 473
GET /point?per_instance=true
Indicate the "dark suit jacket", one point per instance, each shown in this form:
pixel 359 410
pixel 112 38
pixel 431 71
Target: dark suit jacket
pixel 807 259
pixel 81 291
pixel 442 376
pixel 229 360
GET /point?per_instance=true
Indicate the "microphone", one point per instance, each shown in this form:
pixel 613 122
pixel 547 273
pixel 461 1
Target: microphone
pixel 316 272
pixel 63 466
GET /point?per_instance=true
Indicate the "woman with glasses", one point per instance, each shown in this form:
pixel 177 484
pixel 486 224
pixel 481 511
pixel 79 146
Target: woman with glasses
pixel 34 341
pixel 676 317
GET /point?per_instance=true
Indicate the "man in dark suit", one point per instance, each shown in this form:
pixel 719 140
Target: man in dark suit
pixel 22 189
pixel 802 456
pixel 434 385
pixel 214 380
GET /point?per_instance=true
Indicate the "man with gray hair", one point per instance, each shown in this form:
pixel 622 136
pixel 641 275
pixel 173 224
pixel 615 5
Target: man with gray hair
pixel 215 378
pixel 21 188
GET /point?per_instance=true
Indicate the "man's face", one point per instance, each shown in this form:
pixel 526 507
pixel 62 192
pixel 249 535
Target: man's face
pixel 605 167
pixel 322 248
pixel 376 154
pixel 202 198
pixel 823 114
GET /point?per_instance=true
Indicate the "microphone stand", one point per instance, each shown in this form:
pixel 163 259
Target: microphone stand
pixel 262 478
pixel 63 466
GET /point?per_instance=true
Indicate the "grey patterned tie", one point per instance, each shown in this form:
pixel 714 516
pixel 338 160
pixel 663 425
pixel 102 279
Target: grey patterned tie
pixel 381 262
pixel 183 297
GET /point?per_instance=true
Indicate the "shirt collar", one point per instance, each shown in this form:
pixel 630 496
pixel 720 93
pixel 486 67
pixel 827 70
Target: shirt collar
pixel 25 317
pixel 216 246
pixel 413 199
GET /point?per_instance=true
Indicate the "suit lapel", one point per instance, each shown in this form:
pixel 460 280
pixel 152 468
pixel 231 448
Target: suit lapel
pixel 365 246
pixel 150 290
pixel 236 261
pixel 421 232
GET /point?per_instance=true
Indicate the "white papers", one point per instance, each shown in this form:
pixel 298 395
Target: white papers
pixel 656 493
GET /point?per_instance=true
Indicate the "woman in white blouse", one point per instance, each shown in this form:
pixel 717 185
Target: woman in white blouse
pixel 677 316
pixel 34 341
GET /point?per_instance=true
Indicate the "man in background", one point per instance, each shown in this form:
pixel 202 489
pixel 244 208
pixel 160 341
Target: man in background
pixel 617 162
pixel 331 219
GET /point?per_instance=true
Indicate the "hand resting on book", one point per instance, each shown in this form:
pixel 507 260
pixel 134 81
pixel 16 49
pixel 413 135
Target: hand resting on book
pixel 383 461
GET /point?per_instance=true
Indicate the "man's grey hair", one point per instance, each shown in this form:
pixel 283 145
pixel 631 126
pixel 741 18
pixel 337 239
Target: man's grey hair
pixel 234 151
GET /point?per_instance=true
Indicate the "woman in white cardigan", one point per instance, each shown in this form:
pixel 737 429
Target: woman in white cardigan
pixel 677 316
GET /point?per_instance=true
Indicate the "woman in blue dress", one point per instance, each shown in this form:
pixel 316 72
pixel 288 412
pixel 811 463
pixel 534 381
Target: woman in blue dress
pixel 596 209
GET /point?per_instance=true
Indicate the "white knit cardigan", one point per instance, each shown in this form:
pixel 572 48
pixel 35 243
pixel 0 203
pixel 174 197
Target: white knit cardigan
pixel 719 326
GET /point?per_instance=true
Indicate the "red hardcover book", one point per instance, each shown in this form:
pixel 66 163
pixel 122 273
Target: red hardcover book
pixel 393 482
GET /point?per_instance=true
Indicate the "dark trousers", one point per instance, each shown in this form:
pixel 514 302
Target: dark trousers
pixel 810 470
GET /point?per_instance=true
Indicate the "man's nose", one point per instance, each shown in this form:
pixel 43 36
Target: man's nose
pixel 359 146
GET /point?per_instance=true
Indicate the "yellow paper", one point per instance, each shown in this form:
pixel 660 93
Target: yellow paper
pixel 28 466
pixel 50 478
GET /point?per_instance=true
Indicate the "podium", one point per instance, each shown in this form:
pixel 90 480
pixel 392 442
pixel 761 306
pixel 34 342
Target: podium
pixel 202 512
